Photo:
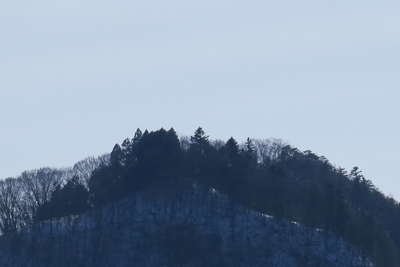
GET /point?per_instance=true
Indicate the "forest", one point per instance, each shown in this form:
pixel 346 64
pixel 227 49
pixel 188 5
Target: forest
pixel 264 175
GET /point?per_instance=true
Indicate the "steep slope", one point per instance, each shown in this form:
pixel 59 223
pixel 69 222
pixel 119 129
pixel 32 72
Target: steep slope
pixel 176 224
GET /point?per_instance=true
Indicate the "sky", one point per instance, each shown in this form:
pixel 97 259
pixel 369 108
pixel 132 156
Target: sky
pixel 76 77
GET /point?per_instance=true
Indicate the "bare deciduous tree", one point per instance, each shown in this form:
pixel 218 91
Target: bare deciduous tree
pixel 268 150
pixel 84 168
pixel 37 186
pixel 10 212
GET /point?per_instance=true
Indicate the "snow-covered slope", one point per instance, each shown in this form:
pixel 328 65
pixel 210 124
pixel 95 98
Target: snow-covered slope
pixel 176 225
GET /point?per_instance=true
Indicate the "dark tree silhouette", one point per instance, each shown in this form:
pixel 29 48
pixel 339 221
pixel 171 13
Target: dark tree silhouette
pixel 70 199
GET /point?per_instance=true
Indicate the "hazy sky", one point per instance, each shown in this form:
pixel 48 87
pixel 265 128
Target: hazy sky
pixel 76 77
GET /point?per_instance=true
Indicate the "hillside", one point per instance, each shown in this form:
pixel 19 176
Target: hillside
pixel 176 224
pixel 158 200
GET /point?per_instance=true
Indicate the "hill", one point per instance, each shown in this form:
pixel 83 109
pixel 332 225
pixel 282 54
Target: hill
pixel 176 224
pixel 262 203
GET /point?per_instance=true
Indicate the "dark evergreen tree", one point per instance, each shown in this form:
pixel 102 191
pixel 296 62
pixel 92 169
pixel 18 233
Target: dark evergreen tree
pixel 73 198
pixel 250 154
pixel 106 185
pixel 137 137
pixel 70 199
pixel 135 144
pixel 199 147
pixel 117 155
pixel 126 151
pixel 199 141
pixel 231 167
pixel 232 151
pixel 159 155
pixel 356 175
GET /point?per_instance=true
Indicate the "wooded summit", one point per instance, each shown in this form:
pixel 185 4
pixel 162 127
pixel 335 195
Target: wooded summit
pixel 161 200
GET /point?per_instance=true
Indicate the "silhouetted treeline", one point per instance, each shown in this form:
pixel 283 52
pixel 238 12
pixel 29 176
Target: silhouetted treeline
pixel 45 193
pixel 268 176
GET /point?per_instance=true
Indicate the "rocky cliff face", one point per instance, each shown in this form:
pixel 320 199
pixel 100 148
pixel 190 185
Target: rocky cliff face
pixel 176 225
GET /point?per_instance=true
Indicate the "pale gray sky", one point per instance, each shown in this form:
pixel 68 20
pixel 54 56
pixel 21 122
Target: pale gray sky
pixel 76 77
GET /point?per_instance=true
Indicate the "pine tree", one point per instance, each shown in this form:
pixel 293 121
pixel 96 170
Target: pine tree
pixel 199 141
pixel 117 156
pixel 199 146
pixel 250 154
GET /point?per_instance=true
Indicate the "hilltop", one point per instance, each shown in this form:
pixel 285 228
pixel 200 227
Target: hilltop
pixel 259 203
